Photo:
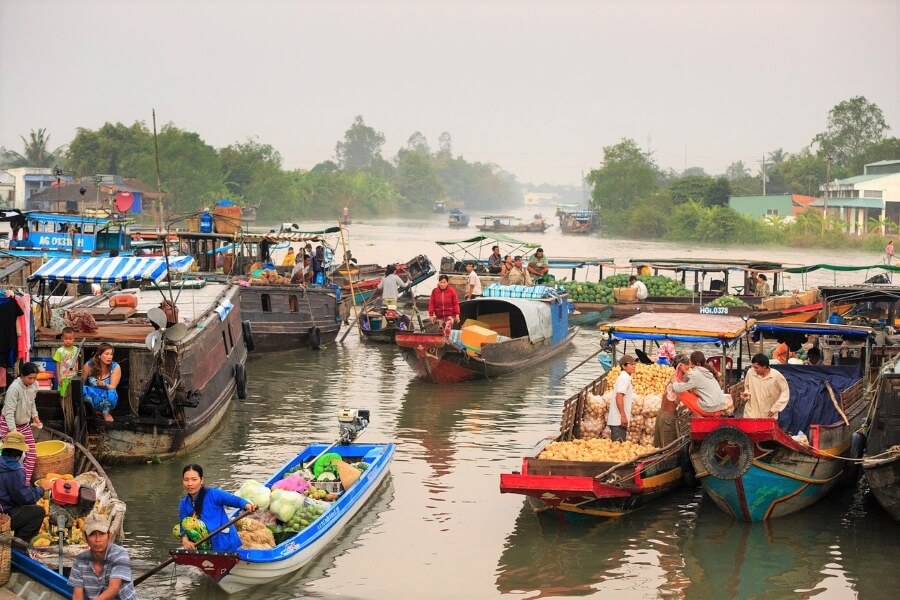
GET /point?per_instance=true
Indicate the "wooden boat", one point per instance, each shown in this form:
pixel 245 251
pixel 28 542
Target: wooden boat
pixel 246 568
pixel 881 463
pixel 755 469
pixel 53 234
pixel 382 327
pixel 506 224
pixel 578 222
pixel 176 384
pixel 578 489
pixel 534 328
pixel 457 219
pixel 36 570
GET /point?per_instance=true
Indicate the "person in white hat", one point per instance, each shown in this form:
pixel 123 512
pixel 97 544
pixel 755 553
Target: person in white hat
pixel 17 498
pixel 105 569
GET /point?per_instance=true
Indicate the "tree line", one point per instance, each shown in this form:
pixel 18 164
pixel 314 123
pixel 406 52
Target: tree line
pixel 194 175
pixel 637 199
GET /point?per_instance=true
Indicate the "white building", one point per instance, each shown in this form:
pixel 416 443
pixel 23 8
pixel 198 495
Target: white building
pixel 873 195
pixel 25 182
pixel 541 199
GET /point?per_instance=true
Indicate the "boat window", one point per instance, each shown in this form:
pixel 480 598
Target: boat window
pixel 266 303
pixel 292 302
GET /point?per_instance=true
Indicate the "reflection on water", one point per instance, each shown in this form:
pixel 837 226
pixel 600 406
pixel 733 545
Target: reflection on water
pixel 441 529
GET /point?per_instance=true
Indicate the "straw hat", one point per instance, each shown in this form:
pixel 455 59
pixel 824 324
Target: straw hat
pixel 14 440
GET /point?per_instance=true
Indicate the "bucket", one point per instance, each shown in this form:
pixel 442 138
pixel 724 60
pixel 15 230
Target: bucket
pixel 206 223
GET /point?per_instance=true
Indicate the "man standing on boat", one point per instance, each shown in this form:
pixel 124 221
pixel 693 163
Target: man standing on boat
pixel 620 407
pixel 473 282
pixel 519 275
pixel 443 305
pixel 766 391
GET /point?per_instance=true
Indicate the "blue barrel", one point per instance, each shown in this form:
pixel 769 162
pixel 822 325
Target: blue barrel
pixel 206 223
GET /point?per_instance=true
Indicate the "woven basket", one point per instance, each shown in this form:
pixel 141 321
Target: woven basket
pixel 227 219
pixel 193 224
pixel 61 463
pixel 5 553
pixel 625 294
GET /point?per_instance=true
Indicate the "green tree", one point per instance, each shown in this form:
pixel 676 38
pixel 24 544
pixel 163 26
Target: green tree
pixel 886 149
pixel 627 175
pixel 692 187
pixel 853 125
pixel 737 171
pixel 802 173
pixel 361 146
pixel 718 192
pixel 116 149
pixel 445 145
pixel 419 143
pixel 36 152
pixel 416 178
pixel 245 162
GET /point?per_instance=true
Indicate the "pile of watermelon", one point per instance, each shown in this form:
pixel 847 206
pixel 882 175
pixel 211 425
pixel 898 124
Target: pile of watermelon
pixel 602 292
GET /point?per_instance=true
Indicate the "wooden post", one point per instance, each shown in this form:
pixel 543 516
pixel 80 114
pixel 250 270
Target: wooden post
pixel 350 279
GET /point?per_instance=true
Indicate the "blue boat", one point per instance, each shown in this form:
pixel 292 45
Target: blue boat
pixel 47 234
pixel 31 579
pixel 758 469
pixel 246 568
pixel 457 218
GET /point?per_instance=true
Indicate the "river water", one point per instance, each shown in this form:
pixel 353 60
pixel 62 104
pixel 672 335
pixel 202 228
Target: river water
pixel 439 528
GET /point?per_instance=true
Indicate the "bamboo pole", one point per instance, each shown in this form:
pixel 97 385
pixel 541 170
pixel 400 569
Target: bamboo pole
pixel 350 279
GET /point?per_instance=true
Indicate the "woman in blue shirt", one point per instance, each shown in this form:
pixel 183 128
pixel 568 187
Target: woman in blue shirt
pixel 208 504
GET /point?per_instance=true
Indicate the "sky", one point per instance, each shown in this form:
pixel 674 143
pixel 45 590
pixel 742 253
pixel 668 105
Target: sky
pixel 538 88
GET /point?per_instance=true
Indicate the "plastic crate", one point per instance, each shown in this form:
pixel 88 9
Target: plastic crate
pixel 332 487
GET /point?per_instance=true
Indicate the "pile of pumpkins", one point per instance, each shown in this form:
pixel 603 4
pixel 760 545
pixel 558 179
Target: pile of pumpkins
pixel 270 277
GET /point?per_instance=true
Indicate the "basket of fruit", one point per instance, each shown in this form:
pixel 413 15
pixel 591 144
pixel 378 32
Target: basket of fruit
pixel 625 294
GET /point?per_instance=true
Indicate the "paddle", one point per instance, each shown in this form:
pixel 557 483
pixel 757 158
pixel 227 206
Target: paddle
pixel 17 543
pixel 168 562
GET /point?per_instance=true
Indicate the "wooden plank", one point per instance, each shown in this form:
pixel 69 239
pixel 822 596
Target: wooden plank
pixel 119 313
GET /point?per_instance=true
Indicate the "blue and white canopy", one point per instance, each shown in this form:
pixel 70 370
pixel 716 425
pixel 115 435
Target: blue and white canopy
pixel 111 270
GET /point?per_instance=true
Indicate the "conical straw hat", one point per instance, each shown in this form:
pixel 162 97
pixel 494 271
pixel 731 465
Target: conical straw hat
pixel 348 474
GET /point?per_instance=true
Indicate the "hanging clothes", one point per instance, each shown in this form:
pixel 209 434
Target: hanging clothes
pixel 24 326
pixel 10 312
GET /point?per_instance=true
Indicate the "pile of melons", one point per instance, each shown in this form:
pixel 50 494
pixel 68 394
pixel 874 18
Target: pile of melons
pixel 647 379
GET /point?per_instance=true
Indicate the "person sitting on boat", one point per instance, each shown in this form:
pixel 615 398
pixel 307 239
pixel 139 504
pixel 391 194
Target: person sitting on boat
pixel 620 407
pixel 782 352
pixel 17 497
pixel 207 504
pixel 766 391
pixel 640 286
pixel 443 305
pixel 814 356
pixel 101 377
pixel 473 282
pixel 505 269
pixel 302 271
pixel 701 379
pixel 389 286
pixel 495 261
pixel 519 275
pixel 538 266
pixel 762 285
pixel 665 432
pixel 104 569
pixel 290 259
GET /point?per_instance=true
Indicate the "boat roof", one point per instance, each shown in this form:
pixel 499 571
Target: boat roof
pixel 829 267
pixel 574 262
pixel 684 327
pixel 45 217
pixel 707 264
pixel 10 264
pixel 111 270
pixel 309 236
pixel 855 331
pixel 474 245
pixel 861 293
pixel 499 217
pixel 537 315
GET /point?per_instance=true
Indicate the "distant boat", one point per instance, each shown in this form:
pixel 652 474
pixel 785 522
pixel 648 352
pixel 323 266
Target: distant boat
pixel 458 218
pixel 506 224
pixel 579 222
pixel 439 206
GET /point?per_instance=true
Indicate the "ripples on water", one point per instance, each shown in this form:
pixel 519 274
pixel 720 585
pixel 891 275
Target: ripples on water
pixel 439 528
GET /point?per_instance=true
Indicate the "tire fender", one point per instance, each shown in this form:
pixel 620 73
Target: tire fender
pixel 240 381
pixel 741 453
pixel 315 337
pixel 247 331
pixel 852 471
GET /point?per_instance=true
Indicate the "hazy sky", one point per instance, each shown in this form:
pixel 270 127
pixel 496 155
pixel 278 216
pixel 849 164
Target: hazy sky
pixel 537 87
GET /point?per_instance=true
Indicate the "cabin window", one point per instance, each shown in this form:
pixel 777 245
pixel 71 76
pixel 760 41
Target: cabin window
pixel 292 303
pixel 266 303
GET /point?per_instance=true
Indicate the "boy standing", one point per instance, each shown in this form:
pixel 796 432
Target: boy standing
pixel 66 357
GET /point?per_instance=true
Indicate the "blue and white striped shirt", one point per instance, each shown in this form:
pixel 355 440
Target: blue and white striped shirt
pixel 116 565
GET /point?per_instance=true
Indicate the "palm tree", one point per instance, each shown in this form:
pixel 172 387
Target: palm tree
pixel 36 152
pixel 880 223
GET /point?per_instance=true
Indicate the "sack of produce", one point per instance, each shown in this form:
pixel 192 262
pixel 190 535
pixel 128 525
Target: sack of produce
pixel 293 482
pixel 284 504
pixel 255 493
pixel 594 451
pixel 254 534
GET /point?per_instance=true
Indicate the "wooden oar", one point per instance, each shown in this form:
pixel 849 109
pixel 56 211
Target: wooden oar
pixel 582 362
pixel 168 562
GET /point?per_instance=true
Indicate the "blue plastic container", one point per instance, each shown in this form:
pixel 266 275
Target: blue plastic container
pixel 206 223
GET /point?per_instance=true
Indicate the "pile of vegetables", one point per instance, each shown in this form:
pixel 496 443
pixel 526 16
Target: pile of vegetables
pixel 73 536
pixel 644 410
pixel 269 277
pixel 602 292
pixel 602 450
pixel 647 379
pixel 194 529
pixel 729 301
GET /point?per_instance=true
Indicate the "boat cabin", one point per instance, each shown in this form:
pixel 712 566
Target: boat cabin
pixel 38 233
pixel 733 277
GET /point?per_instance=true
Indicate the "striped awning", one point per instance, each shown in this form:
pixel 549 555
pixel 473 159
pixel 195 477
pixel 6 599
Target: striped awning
pixel 111 270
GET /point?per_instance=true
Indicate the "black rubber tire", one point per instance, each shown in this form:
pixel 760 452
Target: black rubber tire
pixel 315 338
pixel 248 335
pixel 852 471
pixel 240 381
pixel 688 475
pixel 734 469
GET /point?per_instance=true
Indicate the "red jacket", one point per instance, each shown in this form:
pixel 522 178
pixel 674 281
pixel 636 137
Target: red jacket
pixel 443 303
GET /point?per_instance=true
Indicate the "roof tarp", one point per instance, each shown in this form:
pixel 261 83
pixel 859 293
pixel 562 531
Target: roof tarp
pixel 814 329
pixel 536 313
pixel 827 267
pixel 685 327
pixel 111 270
pixel 493 237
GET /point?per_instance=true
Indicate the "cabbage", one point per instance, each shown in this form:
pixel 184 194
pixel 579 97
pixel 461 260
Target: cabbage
pixel 255 493
pixel 285 503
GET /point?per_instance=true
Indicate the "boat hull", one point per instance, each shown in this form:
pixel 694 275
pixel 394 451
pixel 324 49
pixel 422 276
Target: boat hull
pixel 434 359
pixel 883 477
pixel 284 317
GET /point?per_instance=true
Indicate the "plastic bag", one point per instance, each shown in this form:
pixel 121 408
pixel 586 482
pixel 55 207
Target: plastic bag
pixel 284 504
pixel 293 483
pixel 255 493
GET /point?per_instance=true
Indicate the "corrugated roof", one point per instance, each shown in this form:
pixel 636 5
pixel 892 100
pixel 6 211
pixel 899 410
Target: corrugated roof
pixel 851 202
pixel 883 162
pixel 862 178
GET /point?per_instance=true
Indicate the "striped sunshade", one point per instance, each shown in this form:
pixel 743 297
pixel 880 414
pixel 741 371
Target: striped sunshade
pixel 110 270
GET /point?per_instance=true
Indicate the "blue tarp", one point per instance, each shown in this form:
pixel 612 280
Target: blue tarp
pixel 810 403
pixel 111 270
pixel 691 339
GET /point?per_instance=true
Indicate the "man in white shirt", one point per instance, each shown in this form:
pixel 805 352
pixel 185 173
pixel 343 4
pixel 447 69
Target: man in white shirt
pixel 637 284
pixel 473 282
pixel 389 286
pixel 623 396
